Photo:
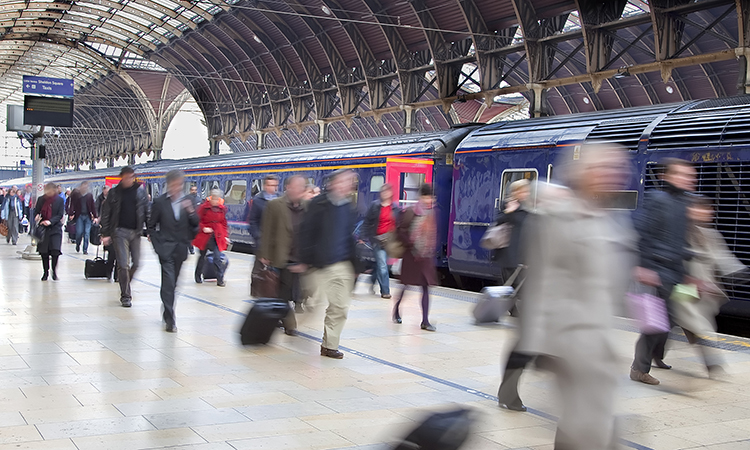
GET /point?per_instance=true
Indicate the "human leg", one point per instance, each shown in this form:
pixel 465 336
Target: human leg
pixel 79 232
pixel 507 394
pixel 45 266
pixel 86 233
pixel 199 265
pixel 425 304
pixel 54 257
pixel 168 285
pixel 337 280
pixel 381 271
pixel 397 305
pixel 286 293
pixel 122 255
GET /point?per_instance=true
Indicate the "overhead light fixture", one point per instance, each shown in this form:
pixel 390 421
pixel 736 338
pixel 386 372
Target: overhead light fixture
pixel 326 10
pixel 670 90
pixel 357 115
pixel 460 99
pixel 622 72
pixel 257 39
pixel 586 100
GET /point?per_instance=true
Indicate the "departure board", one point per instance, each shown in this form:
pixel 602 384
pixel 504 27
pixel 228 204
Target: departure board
pixel 49 111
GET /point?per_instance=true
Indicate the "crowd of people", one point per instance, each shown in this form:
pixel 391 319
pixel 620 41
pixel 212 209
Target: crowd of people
pixel 16 206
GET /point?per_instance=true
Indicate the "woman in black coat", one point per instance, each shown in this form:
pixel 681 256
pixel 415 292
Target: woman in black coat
pixel 514 214
pixel 50 217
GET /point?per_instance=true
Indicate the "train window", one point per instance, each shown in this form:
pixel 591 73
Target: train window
pixel 155 190
pixel 409 193
pixel 355 194
pixel 511 175
pixel 235 192
pixel 255 189
pixel 376 182
pixel 188 185
pixel 622 200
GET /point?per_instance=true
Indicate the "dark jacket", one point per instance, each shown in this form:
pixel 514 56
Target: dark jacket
pixel 74 206
pixel 52 241
pixel 319 229
pixel 169 236
pixel 372 219
pixel 99 203
pixel 663 227
pixel 511 256
pixel 414 270
pixel 278 232
pixel 111 210
pixel 256 216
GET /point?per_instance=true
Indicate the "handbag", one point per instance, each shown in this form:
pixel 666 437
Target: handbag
pixel 648 309
pixel 39 232
pixel 3 229
pixel 496 237
pixel 392 245
pixel 265 283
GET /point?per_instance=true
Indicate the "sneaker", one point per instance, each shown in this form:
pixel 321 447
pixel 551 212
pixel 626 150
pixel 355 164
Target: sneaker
pixel 643 377
pixel 221 283
pixel 385 296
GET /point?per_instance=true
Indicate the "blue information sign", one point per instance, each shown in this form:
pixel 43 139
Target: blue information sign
pixel 48 86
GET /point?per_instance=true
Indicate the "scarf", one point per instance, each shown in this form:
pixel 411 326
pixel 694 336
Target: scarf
pixel 46 211
pixel 424 232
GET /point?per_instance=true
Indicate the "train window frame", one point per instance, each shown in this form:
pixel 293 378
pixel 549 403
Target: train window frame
pixel 188 185
pixel 229 185
pixel 373 187
pixel 155 190
pixel 505 185
pixel 256 187
pixel 406 202
pixel 633 201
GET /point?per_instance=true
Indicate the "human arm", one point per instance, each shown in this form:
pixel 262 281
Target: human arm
pixel 255 219
pixel 268 228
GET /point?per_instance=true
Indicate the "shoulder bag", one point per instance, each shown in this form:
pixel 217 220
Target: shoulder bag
pixel 496 237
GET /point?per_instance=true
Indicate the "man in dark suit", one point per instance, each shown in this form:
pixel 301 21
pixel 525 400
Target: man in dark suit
pixel 193 196
pixel 171 228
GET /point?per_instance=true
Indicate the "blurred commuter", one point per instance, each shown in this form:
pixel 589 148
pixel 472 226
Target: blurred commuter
pixel 123 216
pixel 663 229
pixel 193 196
pixel 280 247
pixel 12 213
pixel 327 245
pixel 82 211
pixel 711 259
pixel 380 226
pixel 580 258
pixel 417 231
pixel 269 192
pixel 50 217
pixel 100 200
pixel 61 192
pixel 2 196
pixel 171 227
pixel 29 201
pixel 213 236
pixel 111 257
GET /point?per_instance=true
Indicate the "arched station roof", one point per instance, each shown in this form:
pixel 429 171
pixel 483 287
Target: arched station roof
pixel 274 73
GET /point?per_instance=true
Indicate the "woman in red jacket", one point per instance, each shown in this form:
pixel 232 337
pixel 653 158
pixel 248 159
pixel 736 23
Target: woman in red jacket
pixel 212 235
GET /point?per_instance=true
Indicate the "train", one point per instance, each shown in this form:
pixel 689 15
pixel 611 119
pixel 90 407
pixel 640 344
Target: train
pixel 471 167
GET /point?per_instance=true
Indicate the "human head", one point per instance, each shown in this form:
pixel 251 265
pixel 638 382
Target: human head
pixel 14 190
pixel 294 188
pixel 341 183
pixel 215 198
pixel 175 183
pixel 51 189
pixel 520 190
pixel 194 190
pixel 426 196
pixel 127 177
pixel 28 188
pixel 105 191
pixel 679 173
pixel 59 189
pixel 84 188
pixel 67 192
pixel 271 184
pixel 701 210
pixel 386 193
pixel 598 168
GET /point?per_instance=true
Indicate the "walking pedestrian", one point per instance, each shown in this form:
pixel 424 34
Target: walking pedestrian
pixel 171 227
pixel 12 213
pixel 327 245
pixel 213 236
pixel 82 211
pixel 109 249
pixel 124 214
pixel 193 196
pixel 417 231
pixel 663 229
pixel 50 218
pixel 379 227
pixel 255 219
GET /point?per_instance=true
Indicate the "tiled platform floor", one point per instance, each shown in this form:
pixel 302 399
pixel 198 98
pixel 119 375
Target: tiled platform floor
pixel 79 372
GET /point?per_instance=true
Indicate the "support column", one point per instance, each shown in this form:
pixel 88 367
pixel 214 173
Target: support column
pixel 110 162
pixel 92 165
pixel 37 170
pixel 131 159
pixel 260 140
pixel 536 108
pixel 157 154
pixel 213 147
pixel 409 115
pixel 322 131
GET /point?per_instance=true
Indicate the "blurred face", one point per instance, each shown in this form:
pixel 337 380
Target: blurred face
pixel 105 191
pixel 13 190
pixel 127 180
pixel 49 191
pixel 701 214
pixel 343 185
pixel 681 176
pixel 427 201
pixel 215 201
pixel 271 186
pixel 84 189
pixel 59 189
pixel 386 196
pixel 523 194
pixel 193 190
pixel 176 188
pixel 607 171
pixel 296 189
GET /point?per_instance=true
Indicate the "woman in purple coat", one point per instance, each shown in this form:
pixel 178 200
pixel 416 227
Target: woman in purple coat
pixel 418 233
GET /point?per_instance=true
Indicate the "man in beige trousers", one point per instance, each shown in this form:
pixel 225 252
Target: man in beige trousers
pixel 327 245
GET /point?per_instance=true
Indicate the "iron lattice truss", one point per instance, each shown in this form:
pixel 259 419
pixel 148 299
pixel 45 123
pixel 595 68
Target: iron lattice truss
pixel 284 72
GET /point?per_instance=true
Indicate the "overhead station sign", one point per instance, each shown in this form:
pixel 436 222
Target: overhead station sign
pixel 48 86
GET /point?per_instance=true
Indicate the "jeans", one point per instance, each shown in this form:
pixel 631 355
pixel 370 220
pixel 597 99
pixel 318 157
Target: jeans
pixel 83 229
pixel 380 274
pixel 127 247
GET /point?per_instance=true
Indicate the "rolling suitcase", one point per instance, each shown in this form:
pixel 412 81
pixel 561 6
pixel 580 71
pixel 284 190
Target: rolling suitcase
pixel 95 236
pixel 497 300
pixel 209 269
pixel 71 229
pixel 440 431
pixel 97 267
pixel 262 320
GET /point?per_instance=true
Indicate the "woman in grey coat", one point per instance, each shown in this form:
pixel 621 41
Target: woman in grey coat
pixel 579 258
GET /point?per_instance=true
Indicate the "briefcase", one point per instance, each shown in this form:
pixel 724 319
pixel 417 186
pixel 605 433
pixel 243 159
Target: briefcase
pixel 97 267
pixel 262 319
pixel 265 282
pixel 95 236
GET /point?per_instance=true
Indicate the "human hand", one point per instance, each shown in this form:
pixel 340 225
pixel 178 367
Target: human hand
pixel 298 268
pixel 208 230
pixel 106 240
pixel 46 223
pixel 512 206
pixel 265 261
pixel 188 205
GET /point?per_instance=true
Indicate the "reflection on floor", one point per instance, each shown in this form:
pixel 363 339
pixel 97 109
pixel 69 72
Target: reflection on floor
pixel 77 371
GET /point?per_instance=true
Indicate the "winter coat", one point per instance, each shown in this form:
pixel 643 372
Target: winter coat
pixel 414 270
pixel 216 219
pixel 511 256
pixel 6 207
pixel 75 205
pixel 111 210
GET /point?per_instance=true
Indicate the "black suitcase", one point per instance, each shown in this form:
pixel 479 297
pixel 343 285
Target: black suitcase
pixel 440 431
pixel 262 319
pixel 97 267
pixel 95 236
pixel 209 269
pixel 71 229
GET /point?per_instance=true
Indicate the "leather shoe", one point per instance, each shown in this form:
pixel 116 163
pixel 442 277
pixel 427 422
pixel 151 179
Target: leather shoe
pixel 661 364
pixel 637 375
pixel 171 329
pixel 513 407
pixel 428 327
pixel 385 296
pixel 291 332
pixel 221 283
pixel 335 354
pixel 126 304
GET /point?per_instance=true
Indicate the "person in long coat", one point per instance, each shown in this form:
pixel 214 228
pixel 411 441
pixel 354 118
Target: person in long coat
pixel 417 231
pixel 213 235
pixel 50 217
pixel 580 258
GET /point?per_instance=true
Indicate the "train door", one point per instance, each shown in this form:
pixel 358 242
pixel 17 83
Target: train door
pixel 406 175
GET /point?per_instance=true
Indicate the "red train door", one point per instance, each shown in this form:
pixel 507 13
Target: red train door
pixel 406 175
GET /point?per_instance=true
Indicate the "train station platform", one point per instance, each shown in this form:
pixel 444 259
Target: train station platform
pixel 79 372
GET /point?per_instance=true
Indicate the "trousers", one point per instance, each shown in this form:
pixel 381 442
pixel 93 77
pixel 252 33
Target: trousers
pixel 650 346
pixel 170 272
pixel 380 274
pixel 83 230
pixel 425 302
pixel 335 282
pixel 127 248
pixel 13 222
pixel 289 290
